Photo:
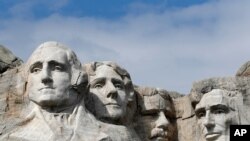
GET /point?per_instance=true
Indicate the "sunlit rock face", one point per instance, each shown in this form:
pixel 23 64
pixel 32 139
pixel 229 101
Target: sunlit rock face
pixel 54 97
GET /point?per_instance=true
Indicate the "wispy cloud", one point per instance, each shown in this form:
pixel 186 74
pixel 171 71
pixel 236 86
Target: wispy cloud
pixel 32 8
pixel 169 48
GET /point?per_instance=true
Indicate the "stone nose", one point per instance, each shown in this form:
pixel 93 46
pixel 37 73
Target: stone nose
pixel 46 75
pixel 162 121
pixel 111 91
pixel 208 121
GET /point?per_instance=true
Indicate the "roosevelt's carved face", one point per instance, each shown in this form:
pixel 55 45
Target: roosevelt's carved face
pixel 157 119
pixel 214 116
pixel 109 95
pixel 49 77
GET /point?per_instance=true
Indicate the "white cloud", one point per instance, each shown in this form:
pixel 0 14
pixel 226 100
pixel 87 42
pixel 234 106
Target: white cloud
pixel 170 49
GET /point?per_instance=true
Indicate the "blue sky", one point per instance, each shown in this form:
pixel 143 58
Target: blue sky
pixel 162 43
pixel 111 9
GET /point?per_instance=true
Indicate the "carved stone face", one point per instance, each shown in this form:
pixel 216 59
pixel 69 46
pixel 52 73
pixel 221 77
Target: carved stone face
pixel 49 77
pixel 108 92
pixel 214 116
pixel 156 119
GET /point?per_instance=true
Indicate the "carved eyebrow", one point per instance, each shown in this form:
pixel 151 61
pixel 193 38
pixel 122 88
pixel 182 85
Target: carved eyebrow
pixel 115 80
pixel 220 106
pixel 53 62
pixel 214 107
pixel 36 64
pixel 201 109
pixel 149 111
pixel 97 80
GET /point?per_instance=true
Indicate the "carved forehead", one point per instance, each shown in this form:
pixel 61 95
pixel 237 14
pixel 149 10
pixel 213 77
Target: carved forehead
pixel 155 102
pixel 215 97
pixel 50 53
pixel 92 68
pixel 152 99
pixel 149 91
pixel 105 71
pixel 48 49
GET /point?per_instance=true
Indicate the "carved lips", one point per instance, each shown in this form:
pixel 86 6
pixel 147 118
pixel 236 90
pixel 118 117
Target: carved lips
pixel 46 89
pixel 158 134
pixel 112 104
pixel 212 135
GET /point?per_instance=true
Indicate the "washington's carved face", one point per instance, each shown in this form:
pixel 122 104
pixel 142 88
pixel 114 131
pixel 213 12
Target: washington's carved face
pixel 49 77
pixel 157 119
pixel 214 116
pixel 108 92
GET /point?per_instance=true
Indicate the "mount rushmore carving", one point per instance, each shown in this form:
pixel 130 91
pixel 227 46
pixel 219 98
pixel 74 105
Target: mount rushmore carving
pixel 54 97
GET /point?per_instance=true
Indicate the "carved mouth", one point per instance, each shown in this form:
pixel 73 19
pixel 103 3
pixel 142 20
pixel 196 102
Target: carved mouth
pixel 213 135
pixel 46 88
pixel 159 138
pixel 114 104
pixel 159 134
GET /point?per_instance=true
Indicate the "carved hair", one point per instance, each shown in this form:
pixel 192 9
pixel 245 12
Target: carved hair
pixel 92 67
pixel 234 103
pixel 78 75
pixel 129 88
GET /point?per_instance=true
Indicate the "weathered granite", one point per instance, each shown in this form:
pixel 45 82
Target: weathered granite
pixel 156 119
pixel 244 70
pixel 8 60
pixel 232 93
pixel 53 97
pixel 111 99
pixel 54 86
pixel 11 98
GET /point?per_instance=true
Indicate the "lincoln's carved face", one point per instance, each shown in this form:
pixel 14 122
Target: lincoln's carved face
pixel 49 77
pixel 214 116
pixel 109 95
pixel 157 119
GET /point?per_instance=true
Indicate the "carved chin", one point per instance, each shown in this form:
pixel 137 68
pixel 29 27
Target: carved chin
pixel 159 135
pixel 113 112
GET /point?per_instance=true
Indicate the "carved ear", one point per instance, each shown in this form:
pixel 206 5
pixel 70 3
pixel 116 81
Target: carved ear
pixel 79 80
pixel 130 90
pixel 24 78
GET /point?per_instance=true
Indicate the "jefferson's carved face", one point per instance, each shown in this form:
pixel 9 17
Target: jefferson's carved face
pixel 49 77
pixel 108 92
pixel 214 116
pixel 157 119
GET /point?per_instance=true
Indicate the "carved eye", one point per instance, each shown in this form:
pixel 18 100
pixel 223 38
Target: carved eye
pixel 200 114
pixel 98 85
pixel 219 111
pixel 169 116
pixel 119 86
pixel 151 113
pixel 55 66
pixel 58 68
pixel 35 70
pixel 36 67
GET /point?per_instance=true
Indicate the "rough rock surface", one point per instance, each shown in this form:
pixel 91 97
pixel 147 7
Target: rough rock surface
pixel 244 70
pixel 8 60
pixel 151 113
pixel 11 98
